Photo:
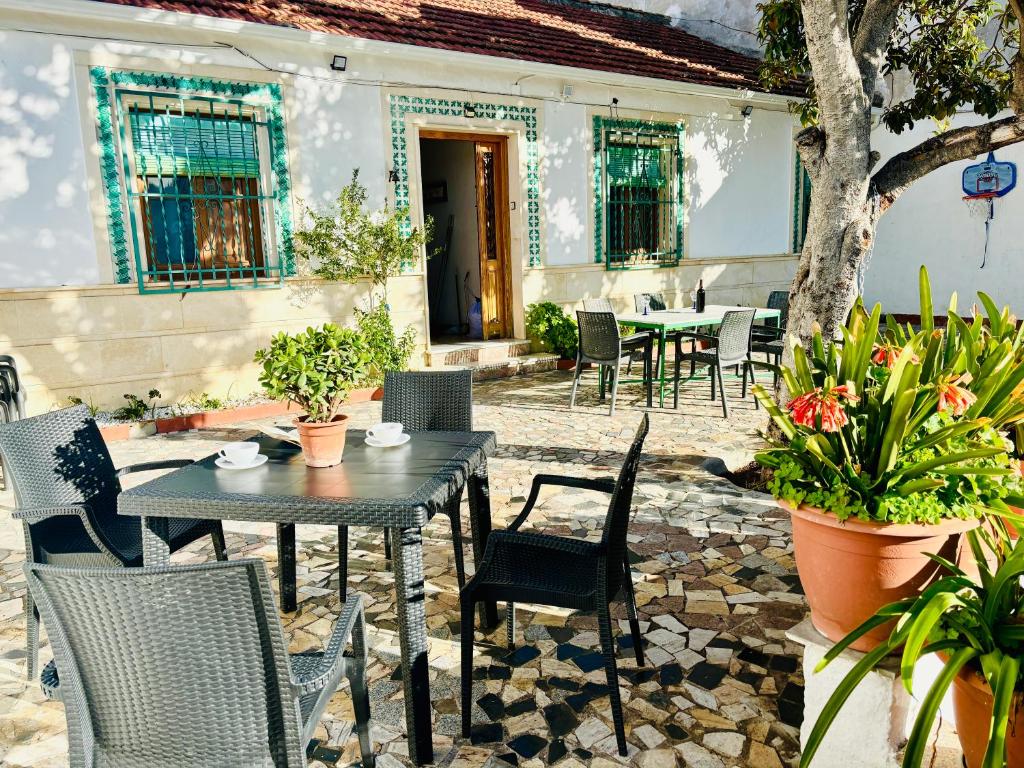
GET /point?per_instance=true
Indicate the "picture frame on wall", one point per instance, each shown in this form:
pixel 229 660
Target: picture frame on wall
pixel 435 192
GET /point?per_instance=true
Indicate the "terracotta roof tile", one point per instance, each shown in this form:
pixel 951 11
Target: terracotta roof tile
pixel 562 32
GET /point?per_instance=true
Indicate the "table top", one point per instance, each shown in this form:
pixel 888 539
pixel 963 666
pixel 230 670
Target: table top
pixel 670 319
pixel 397 487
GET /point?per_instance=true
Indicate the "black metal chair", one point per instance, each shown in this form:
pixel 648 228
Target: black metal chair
pixel 562 572
pixel 731 347
pixel 601 344
pixel 66 489
pixel 188 666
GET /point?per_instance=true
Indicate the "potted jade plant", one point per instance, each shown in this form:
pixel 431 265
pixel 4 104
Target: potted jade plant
pixel 977 628
pixel 891 449
pixel 315 369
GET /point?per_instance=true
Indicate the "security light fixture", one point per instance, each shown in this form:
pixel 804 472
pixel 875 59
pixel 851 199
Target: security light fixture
pixel 338 63
pixel 567 91
pixel 747 111
pixel 393 176
pixel 468 110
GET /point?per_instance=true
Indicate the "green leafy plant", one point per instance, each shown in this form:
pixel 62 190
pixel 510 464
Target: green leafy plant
pixel 347 242
pixel 138 408
pixel 388 351
pixel 203 401
pixel 976 624
pixel 314 368
pixel 94 409
pixel 548 325
pixel 898 426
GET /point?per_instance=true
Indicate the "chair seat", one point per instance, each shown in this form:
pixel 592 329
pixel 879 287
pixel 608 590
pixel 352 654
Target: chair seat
pixel 537 568
pixel 775 347
pixel 703 357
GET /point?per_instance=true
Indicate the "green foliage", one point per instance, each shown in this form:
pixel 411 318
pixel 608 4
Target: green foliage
pixel 388 352
pixel 203 401
pixel 138 408
pixel 941 44
pixel 977 624
pixel 315 368
pixel 902 425
pixel 94 409
pixel 347 242
pixel 548 325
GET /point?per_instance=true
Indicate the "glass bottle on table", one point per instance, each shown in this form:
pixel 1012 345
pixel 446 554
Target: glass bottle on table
pixel 701 301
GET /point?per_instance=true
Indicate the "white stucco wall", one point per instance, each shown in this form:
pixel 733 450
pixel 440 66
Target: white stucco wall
pixel 52 211
pixel 46 234
pixel 930 225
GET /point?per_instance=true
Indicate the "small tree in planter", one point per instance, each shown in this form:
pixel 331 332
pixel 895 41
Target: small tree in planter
pixel 891 447
pixel 552 329
pixel 349 243
pixel 315 369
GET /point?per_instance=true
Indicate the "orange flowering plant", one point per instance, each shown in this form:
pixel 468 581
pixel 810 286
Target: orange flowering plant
pixel 901 424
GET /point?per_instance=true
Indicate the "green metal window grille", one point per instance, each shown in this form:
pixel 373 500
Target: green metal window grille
pixel 638 194
pixel 801 205
pixel 201 177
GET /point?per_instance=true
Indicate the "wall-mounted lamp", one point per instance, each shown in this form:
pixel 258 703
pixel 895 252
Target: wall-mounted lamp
pixel 747 111
pixel 338 63
pixel 468 110
pixel 567 91
pixel 393 176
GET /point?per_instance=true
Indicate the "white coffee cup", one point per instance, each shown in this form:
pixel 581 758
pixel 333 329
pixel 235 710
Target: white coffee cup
pixel 240 453
pixel 387 432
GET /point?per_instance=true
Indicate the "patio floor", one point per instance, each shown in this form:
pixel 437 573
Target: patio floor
pixel 717 590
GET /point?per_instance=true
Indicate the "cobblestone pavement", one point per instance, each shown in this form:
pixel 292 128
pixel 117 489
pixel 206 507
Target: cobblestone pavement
pixel 716 587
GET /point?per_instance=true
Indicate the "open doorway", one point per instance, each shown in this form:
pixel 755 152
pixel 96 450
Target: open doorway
pixel 465 190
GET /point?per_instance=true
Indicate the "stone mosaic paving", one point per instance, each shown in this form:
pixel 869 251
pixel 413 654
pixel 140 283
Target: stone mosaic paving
pixel 716 589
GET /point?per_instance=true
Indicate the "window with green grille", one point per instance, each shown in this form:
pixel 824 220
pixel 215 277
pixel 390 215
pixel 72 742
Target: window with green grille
pixel 801 205
pixel 199 191
pixel 639 193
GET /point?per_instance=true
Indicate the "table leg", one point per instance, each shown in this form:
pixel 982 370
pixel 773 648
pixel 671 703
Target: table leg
pixel 286 566
pixel 661 368
pixel 156 541
pixel 480 525
pixel 407 553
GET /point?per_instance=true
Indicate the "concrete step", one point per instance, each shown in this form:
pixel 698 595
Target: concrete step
pixel 464 353
pixel 520 365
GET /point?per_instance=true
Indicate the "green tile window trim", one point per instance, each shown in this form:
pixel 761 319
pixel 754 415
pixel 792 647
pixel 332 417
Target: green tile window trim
pixel 670 130
pixel 420 105
pixel 801 203
pixel 267 95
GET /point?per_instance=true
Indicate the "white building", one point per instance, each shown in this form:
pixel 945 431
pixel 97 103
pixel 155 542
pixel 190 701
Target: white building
pixel 154 164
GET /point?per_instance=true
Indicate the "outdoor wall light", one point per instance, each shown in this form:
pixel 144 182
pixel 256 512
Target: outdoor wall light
pixel 338 63
pixel 747 111
pixel 468 110
pixel 393 176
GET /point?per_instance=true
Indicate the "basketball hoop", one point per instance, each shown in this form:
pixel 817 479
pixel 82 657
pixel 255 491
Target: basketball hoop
pixel 981 204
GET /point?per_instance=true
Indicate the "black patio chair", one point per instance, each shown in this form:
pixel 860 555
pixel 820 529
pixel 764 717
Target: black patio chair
pixel 731 347
pixel 12 392
pixel 601 344
pixel 769 339
pixel 188 666
pixel 65 490
pixel 562 572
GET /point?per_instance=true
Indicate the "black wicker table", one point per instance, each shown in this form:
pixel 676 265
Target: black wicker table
pixel 398 488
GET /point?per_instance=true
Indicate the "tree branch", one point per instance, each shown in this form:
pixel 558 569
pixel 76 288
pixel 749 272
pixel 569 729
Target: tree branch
pixel 872 39
pixel 904 169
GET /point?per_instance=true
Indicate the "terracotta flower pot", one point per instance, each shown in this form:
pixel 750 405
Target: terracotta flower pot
pixel 850 569
pixel 972 709
pixel 322 444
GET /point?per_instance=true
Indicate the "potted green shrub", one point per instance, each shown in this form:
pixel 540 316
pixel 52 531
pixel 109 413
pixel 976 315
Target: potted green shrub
pixel 552 330
pixel 315 369
pixel 977 626
pixel 890 450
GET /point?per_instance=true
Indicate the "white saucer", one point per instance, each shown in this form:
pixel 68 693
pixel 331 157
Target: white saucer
pixel 259 461
pixel 402 439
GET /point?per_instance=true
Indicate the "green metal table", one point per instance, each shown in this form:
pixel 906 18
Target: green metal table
pixel 667 320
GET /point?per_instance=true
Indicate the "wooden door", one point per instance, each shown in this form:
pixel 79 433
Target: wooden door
pixel 493 233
